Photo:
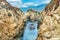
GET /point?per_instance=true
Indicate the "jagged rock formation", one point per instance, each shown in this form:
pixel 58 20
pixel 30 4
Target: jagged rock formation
pixel 33 15
pixel 50 27
pixel 53 4
pixel 11 23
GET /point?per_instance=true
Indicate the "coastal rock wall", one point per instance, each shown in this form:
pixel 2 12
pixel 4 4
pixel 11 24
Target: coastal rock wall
pixel 50 27
pixel 11 23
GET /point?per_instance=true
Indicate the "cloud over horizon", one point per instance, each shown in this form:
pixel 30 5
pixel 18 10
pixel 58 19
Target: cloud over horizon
pixel 27 3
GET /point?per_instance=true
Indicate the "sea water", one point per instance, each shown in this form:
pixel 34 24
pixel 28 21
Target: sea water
pixel 31 31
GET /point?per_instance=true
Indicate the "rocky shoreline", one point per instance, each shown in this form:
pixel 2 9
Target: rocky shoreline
pixel 12 21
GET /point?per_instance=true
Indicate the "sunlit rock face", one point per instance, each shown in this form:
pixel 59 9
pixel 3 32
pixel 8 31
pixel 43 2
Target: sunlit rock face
pixel 50 27
pixel 11 23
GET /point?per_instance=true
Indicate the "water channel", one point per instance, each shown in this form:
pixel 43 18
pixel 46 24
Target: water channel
pixel 30 31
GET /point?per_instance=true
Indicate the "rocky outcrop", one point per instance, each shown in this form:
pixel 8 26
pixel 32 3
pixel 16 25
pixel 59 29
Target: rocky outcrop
pixel 50 27
pixel 11 23
pixel 53 4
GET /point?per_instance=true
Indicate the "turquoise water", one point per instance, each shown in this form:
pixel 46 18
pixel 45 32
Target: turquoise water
pixel 31 32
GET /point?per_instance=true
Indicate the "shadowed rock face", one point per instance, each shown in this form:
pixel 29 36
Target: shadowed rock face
pixel 52 4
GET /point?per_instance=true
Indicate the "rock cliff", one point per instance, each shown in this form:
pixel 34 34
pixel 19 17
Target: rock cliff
pixel 50 27
pixel 11 23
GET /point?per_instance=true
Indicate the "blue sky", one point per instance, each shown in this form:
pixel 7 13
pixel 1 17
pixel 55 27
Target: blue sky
pixel 27 3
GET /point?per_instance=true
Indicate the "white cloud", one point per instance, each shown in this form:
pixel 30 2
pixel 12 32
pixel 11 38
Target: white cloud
pixel 15 3
pixel 18 3
pixel 36 4
pixel 46 1
pixel 27 4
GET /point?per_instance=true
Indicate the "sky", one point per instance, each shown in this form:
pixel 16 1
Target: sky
pixel 27 3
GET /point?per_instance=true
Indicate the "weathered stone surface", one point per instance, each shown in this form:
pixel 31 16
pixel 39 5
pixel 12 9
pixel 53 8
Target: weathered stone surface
pixel 50 27
pixel 11 24
pixel 12 21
